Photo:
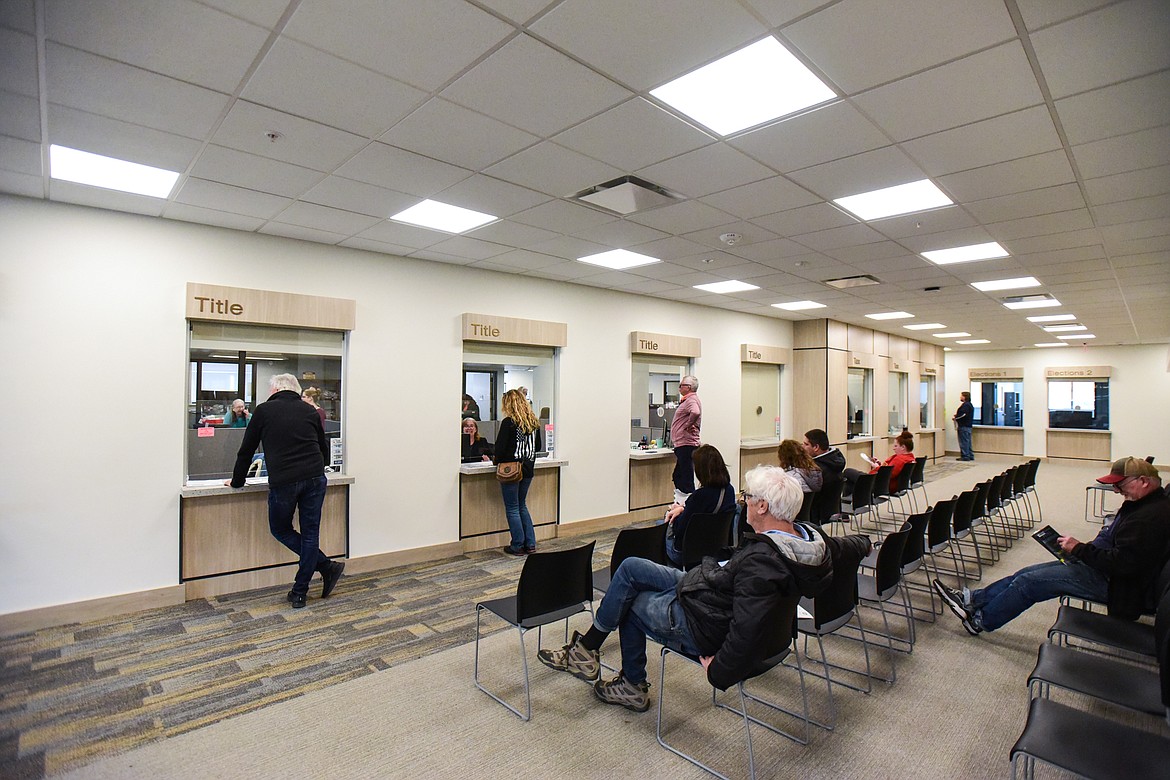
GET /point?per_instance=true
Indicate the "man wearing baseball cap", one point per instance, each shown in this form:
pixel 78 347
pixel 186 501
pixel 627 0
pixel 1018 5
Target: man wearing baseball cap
pixel 1117 568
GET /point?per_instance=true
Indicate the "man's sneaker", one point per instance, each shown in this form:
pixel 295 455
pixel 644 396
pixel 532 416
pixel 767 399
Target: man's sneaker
pixel 957 601
pixel 330 577
pixel 619 690
pixel 574 659
pixel 298 600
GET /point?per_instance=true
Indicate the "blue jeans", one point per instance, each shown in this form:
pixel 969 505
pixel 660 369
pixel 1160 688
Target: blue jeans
pixel 684 469
pixel 307 496
pixel 519 521
pixel 1006 599
pixel 965 443
pixel 641 602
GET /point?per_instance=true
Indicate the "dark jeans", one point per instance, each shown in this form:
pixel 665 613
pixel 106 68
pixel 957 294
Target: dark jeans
pixel 965 443
pixel 516 510
pixel 305 498
pixel 684 469
pixel 1006 599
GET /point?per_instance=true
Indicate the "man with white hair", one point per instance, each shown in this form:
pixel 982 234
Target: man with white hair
pixel 295 453
pixel 684 437
pixel 718 611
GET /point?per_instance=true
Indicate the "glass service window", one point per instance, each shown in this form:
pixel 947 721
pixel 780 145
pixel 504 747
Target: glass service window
pixel 227 362
pixel 759 401
pixel 490 370
pixel 926 402
pixel 899 401
pixel 654 396
pixel 1078 403
pixel 860 402
pixel 998 403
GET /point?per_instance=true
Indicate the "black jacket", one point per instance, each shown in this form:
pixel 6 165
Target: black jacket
pixel 832 463
pixel 1140 534
pixel 294 442
pixel 727 606
pixel 513 445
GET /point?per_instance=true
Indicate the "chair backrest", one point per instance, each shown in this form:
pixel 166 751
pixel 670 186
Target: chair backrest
pixel 979 507
pixel 806 507
pixel 994 491
pixel 781 622
pixel 888 569
pixel 881 481
pixel 1033 467
pixel 827 501
pixel 964 506
pixel 916 541
pixel 839 599
pixel 863 491
pixel 919 475
pixel 648 543
pixel 1020 481
pixel 1162 647
pixel 552 581
pixel 706 534
pixel 938 530
pixel 1005 487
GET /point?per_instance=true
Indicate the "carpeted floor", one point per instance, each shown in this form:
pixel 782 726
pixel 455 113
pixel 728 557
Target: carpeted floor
pixel 236 676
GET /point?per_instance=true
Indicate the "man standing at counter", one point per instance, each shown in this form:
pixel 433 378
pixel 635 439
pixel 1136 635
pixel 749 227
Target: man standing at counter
pixel 684 436
pixel 964 418
pixel 295 452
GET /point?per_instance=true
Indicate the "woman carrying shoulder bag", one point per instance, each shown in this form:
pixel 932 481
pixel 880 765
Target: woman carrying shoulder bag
pixel 518 441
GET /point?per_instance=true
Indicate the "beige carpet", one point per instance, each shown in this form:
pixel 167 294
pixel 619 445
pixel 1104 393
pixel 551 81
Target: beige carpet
pixel 956 708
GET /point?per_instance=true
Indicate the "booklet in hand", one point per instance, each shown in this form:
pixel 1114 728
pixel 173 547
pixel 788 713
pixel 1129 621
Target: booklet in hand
pixel 1048 540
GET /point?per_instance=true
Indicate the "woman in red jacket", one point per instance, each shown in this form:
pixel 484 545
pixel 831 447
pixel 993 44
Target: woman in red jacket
pixel 903 456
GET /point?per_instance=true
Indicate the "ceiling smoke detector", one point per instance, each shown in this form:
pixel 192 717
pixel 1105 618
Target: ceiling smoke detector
pixel 731 239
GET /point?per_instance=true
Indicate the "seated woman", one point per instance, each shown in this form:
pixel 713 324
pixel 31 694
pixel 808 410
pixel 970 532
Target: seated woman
pixel 476 448
pixel 717 494
pixel 797 462
pixel 903 456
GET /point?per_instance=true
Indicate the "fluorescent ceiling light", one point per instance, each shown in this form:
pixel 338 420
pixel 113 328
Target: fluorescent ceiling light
pixel 1062 328
pixel 1032 302
pixel 1053 318
pixel 890 315
pixel 443 216
pixel 973 341
pixel 618 259
pixel 1053 344
pixel 1078 336
pixel 1006 284
pixel 799 305
pixel 957 335
pixel 947 349
pixel 901 199
pixel 109 173
pixel 925 326
pixel 756 84
pixel 730 286
pixel 966 254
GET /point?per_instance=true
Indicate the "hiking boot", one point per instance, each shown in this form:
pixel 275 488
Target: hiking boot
pixel 619 690
pixel 330 577
pixel 957 601
pixel 574 659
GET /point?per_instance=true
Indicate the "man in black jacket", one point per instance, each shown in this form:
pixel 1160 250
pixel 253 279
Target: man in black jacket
pixel 295 452
pixel 1117 568
pixel 832 463
pixel 717 611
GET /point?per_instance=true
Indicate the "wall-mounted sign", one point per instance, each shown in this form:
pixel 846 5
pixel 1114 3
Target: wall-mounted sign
pixel 265 307
pixel 862 360
pixel 1078 372
pixel 930 370
pixel 900 365
pixel 758 353
pixel 980 374
pixel 643 343
pixel 512 330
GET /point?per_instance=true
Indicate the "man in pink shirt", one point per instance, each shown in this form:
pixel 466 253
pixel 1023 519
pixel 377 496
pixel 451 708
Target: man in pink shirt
pixel 684 434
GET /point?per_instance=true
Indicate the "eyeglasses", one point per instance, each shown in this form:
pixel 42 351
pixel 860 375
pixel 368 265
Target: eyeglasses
pixel 1117 485
pixel 747 496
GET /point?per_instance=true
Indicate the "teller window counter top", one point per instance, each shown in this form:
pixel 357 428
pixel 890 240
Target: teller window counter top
pixel 759 444
pixel 485 467
pixel 198 488
pixel 651 454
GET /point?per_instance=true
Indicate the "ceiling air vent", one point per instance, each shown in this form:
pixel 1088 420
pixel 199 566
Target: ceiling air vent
pixel 853 281
pixel 627 195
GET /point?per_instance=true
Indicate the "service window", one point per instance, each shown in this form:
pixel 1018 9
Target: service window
pixel 899 401
pixel 759 416
pixel 998 403
pixel 1078 403
pixel 926 402
pixel 654 395
pixel 860 402
pixel 490 370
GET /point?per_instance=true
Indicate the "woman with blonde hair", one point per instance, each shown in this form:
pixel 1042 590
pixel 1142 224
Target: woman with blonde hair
pixel 797 462
pixel 518 441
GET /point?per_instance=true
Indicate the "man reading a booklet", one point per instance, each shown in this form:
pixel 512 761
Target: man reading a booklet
pixel 1117 568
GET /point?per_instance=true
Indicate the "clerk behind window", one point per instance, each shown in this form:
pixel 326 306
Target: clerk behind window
pixel 240 415
pixel 475 447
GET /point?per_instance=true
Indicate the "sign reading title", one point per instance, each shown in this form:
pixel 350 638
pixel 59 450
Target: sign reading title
pixel 644 343
pixel 512 330
pixel 758 353
pixel 265 307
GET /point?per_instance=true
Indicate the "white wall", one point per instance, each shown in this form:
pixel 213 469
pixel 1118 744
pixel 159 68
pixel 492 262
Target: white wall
pixel 1139 393
pixel 89 506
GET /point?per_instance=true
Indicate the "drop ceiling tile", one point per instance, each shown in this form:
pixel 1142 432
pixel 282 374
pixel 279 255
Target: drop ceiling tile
pixel 1137 260
pixel 562 217
pixel 178 38
pixel 1123 186
pixel 533 87
pixel 1028 204
pixel 424 49
pixel 18 63
pixel 633 135
pixel 638 45
pixel 866 253
pixel 19 15
pixel 204 216
pixel 553 169
pixel 1104 47
pixel 807 219
pixel 704 171
pixel 827 133
pixel 780 250
pixel 942 220
pixel 748 234
pixel 899 38
pixel 569 248
pixel 100 86
pixel 400 170
pixel 21 117
pixel 218 163
pixel 344 95
pixel 648 286
pixel 1048 224
pixel 1137 210
pixel 22 184
pixel 436 256
pixel 1038 261
pixel 310 215
pixel 766 196
pixel 101 135
pixel 522 260
pixel 1116 110
pixel 302 142
pixel 682 217
pixel 1042 13
pixel 468 247
pixel 1052 242
pixel 358 197
pixel 834 238
pixel 954 94
pixel 1026 173
pixel 620 233
pixel 519 11
pixel 301 233
pixel 381 247
pixel 445 131
pixel 514 234
pixel 949 239
pixel 1144 149
pixel 19 156
pixel 401 234
pixel 861 173
pixel 83 195
pixel 491 196
pixel 669 248
pixel 226 198
pixel 1003 138
pixel 569 271
pixel 265 13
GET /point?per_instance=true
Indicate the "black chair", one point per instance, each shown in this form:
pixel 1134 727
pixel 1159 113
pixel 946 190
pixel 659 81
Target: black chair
pixel 778 646
pixel 883 585
pixel 553 586
pixel 706 534
pixel 979 518
pixel 1019 492
pixel 881 492
pixel 1015 523
pixel 648 543
pixel 917 482
pixel 961 532
pixel 827 502
pixel 938 538
pixel 913 559
pixel 861 502
pixel 1030 487
pixel 806 507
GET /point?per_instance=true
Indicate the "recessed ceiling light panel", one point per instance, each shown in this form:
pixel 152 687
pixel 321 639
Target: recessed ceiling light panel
pixel 730 286
pixel 443 216
pixel 891 201
pixel 1078 336
pixel 1018 283
pixel 973 341
pixel 1053 318
pixel 966 254
pixel 1030 301
pixel 956 335
pixel 799 305
pixel 925 326
pixel 109 173
pixel 1053 344
pixel 890 315
pixel 1063 328
pixel 618 259
pixel 756 84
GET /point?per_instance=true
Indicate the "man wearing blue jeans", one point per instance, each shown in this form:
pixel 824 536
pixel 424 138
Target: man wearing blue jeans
pixel 295 452
pixel 1118 568
pixel 717 611
pixel 964 418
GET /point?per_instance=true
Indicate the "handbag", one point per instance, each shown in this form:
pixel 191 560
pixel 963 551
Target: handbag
pixel 509 472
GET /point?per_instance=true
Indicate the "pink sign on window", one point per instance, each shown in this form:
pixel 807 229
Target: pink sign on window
pixel 206 432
